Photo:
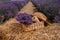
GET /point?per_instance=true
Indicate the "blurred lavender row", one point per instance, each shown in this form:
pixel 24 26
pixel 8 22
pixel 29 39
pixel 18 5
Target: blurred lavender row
pixel 51 8
pixel 9 9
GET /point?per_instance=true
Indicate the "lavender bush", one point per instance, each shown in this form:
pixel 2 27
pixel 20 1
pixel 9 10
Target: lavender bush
pixel 49 7
pixel 10 8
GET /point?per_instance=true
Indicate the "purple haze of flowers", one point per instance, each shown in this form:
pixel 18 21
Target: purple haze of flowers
pixel 57 19
pixel 49 7
pixel 24 18
pixel 20 3
pixel 9 9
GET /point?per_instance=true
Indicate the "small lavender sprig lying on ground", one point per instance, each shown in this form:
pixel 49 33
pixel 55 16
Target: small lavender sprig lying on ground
pixel 24 18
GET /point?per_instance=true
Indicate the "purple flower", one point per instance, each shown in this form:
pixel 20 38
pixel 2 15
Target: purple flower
pixel 24 18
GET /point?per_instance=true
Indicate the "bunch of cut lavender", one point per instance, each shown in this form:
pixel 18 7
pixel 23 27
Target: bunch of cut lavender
pixel 24 18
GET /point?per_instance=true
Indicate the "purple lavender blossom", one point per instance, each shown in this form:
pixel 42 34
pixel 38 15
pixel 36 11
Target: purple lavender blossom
pixel 24 18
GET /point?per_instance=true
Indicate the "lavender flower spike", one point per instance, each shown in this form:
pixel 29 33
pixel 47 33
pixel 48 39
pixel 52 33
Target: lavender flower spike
pixel 24 18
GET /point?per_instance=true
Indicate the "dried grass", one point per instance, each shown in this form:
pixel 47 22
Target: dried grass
pixel 12 30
